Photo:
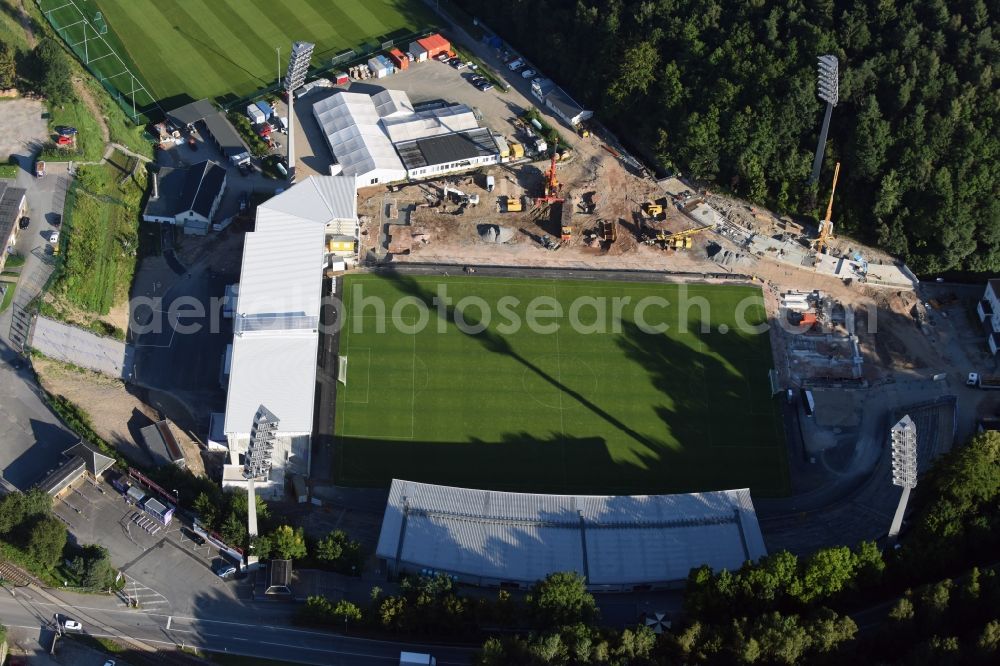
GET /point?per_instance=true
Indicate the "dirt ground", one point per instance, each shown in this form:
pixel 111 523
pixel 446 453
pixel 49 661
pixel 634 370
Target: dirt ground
pixel 116 413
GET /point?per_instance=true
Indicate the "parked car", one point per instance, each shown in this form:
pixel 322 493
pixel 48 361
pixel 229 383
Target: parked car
pixel 441 57
pixel 409 56
pixel 191 534
pixel 56 220
pixel 66 130
pixel 245 169
pixel 515 64
pixel 24 222
pixel 244 202
pixel 528 74
pixel 71 625
pixel 64 140
pixel 486 85
pixel 54 237
pixel 192 144
pixel 109 662
pixel 223 568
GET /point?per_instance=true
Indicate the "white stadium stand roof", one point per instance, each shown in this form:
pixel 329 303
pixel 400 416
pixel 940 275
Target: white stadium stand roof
pixel 350 123
pixel 616 542
pixel 276 317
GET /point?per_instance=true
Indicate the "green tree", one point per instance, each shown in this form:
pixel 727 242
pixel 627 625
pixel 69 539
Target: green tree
pixel 207 510
pixel 562 599
pixel 287 543
pixel 639 64
pixel 8 65
pixel 46 540
pixel 54 69
pixel 345 612
pixel 340 551
pixel 98 571
pixel 233 530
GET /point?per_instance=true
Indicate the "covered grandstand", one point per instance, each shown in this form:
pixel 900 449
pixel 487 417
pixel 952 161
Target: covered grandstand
pixel 618 543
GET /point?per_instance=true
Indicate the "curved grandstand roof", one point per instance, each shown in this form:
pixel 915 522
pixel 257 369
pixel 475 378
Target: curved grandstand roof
pixel 611 540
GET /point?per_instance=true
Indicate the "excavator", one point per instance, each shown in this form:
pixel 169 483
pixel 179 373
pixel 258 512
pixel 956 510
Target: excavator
pixel 678 241
pixel 826 225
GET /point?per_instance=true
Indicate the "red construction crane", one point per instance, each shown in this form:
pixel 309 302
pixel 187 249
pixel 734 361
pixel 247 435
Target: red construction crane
pixel 552 184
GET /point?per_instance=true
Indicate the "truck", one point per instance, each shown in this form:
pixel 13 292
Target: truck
pixel 39 169
pixel 416 659
pixel 986 382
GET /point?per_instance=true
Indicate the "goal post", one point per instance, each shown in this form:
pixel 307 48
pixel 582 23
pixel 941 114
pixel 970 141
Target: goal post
pixel 342 370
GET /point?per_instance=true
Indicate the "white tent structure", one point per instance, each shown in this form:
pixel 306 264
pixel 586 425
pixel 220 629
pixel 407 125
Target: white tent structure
pixel 618 543
pixel 455 118
pixel 357 140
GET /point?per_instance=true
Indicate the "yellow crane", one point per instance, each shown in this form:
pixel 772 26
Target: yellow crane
pixel 826 225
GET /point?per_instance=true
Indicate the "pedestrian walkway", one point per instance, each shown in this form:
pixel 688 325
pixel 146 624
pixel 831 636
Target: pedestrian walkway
pixel 80 347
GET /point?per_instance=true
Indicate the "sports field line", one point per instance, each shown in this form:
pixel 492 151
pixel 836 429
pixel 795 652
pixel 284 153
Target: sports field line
pixel 368 381
pixel 562 420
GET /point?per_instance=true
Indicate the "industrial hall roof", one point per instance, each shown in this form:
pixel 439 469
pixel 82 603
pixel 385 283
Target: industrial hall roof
pixel 447 148
pixel 611 540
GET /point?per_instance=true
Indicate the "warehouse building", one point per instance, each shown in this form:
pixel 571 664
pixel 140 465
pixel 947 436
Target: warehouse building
pixel 381 138
pixel 618 543
pixel 203 116
pixel 276 324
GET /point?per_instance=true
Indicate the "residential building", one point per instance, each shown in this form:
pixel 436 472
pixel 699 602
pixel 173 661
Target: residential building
pixel 13 202
pixel 188 197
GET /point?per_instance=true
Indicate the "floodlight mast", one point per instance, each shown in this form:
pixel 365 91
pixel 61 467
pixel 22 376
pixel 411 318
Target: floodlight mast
pixel 904 467
pixel 829 92
pixel 298 67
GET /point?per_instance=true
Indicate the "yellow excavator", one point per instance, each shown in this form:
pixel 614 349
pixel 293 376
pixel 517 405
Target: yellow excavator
pixel 826 225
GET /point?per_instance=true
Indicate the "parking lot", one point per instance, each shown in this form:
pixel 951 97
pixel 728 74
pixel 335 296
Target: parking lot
pixel 423 82
pixel 166 570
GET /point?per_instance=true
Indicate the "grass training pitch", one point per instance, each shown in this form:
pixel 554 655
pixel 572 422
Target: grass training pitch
pixel 567 411
pixel 189 50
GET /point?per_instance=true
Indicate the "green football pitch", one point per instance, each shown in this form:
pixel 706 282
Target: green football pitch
pixel 587 400
pixel 223 48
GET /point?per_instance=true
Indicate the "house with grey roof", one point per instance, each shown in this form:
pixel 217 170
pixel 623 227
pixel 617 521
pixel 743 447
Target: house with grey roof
pixel 186 196
pixel 12 206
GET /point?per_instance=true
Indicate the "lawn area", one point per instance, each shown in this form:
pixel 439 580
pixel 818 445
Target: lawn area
pixel 100 232
pixel 8 295
pixel 571 410
pixel 227 47
pixel 89 143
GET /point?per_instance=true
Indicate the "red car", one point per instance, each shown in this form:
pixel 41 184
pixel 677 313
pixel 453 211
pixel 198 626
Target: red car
pixel 64 140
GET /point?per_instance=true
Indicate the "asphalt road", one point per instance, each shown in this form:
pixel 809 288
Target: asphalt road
pixel 29 610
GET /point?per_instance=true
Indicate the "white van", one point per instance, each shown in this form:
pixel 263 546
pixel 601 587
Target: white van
pixel 282 124
pixel 490 183
pixel 515 65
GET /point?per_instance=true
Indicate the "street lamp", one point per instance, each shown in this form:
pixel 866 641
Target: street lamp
pixel 278 51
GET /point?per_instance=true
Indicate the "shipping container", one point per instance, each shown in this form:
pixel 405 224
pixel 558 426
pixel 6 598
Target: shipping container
pixel 418 51
pixel 266 109
pixel 434 44
pixel 341 78
pixel 255 114
pixel 399 59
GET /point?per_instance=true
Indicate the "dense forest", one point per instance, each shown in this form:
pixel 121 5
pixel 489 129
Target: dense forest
pixel 726 92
